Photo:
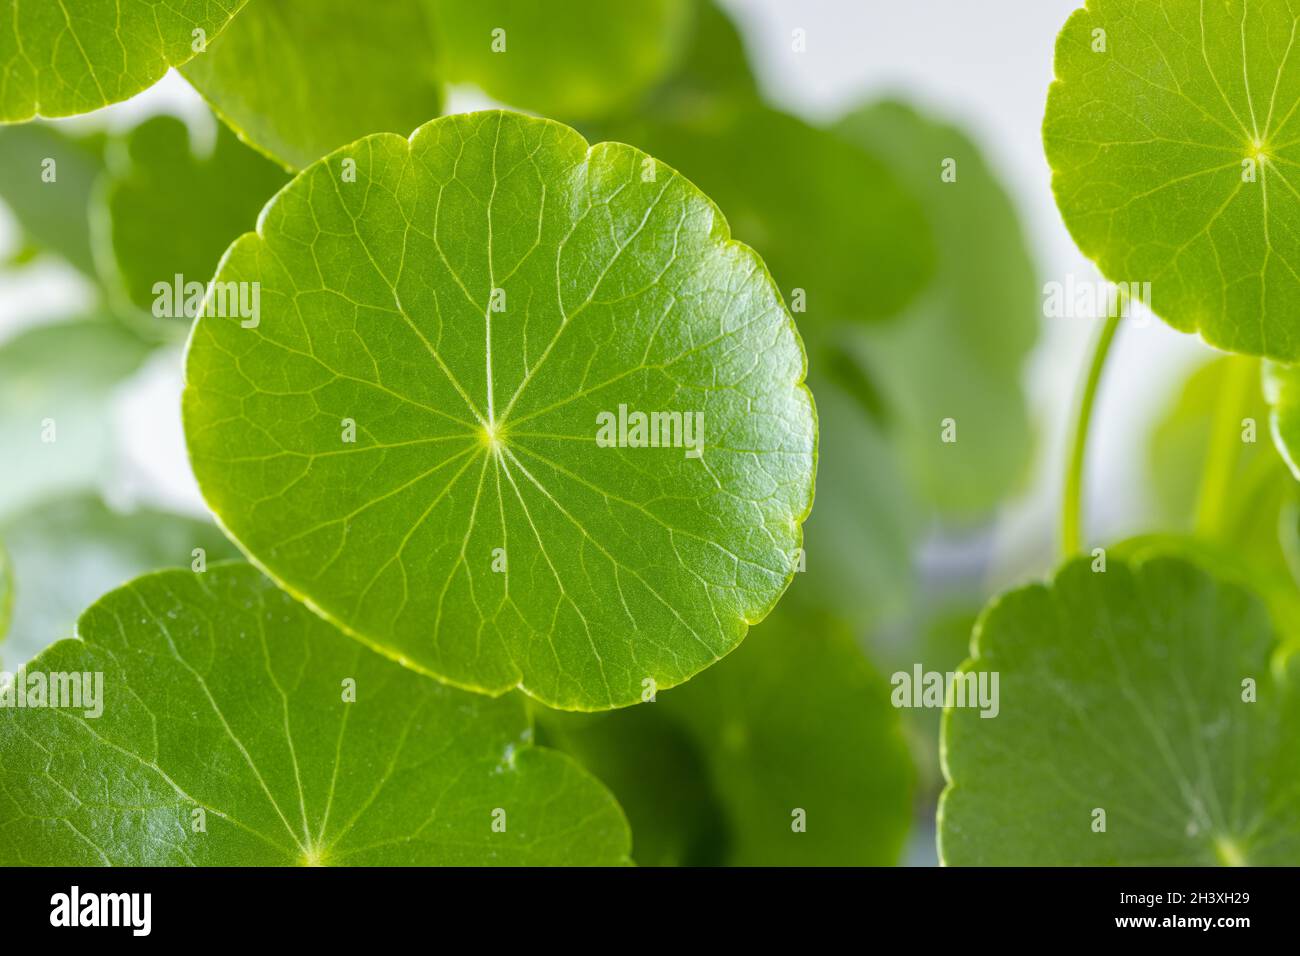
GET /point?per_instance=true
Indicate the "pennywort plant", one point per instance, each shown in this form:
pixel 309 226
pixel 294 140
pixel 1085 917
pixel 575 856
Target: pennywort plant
pixel 1156 719
pixel 506 420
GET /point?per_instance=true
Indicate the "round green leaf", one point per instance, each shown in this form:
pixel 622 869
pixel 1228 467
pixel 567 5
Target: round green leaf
pixel 1173 133
pixel 67 552
pixel 1148 693
pixel 563 57
pixel 299 78
pixel 158 189
pixel 226 703
pixel 73 56
pixel 406 436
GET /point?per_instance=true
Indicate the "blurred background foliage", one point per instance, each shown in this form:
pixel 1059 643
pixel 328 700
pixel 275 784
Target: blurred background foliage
pixel 917 298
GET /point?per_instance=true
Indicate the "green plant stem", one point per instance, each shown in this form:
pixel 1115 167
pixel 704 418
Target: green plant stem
pixel 1224 451
pixel 1072 503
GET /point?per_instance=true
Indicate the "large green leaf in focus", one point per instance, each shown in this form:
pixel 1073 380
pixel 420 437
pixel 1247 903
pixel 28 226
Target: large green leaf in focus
pixel 958 352
pixel 60 57
pixel 227 704
pixel 65 553
pixel 1151 692
pixel 794 720
pixel 1173 132
pixel 299 78
pixel 56 382
pixel 829 219
pixel 173 213
pixel 51 203
pixel 563 58
pixel 468 309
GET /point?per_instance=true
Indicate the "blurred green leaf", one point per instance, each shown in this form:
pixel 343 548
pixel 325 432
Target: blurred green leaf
pixel 794 728
pixel 828 218
pixel 56 382
pixel 865 520
pixel 173 213
pixel 61 58
pixel 562 58
pixel 958 353
pixel 221 695
pixel 1125 692
pixel 52 215
pixel 1220 414
pixel 1214 475
pixel 657 772
pixel 299 78
pixel 67 552
pixel 714 65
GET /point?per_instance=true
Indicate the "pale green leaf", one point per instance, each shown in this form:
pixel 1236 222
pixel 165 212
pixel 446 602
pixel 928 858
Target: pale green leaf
pixel 800 760
pixel 67 552
pixel 299 78
pixel 1173 132
pixel 565 57
pixel 171 213
pixel 475 414
pixel 226 703
pixel 61 57
pixel 956 355
pixel 53 215
pixel 56 382
pixel 1125 692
